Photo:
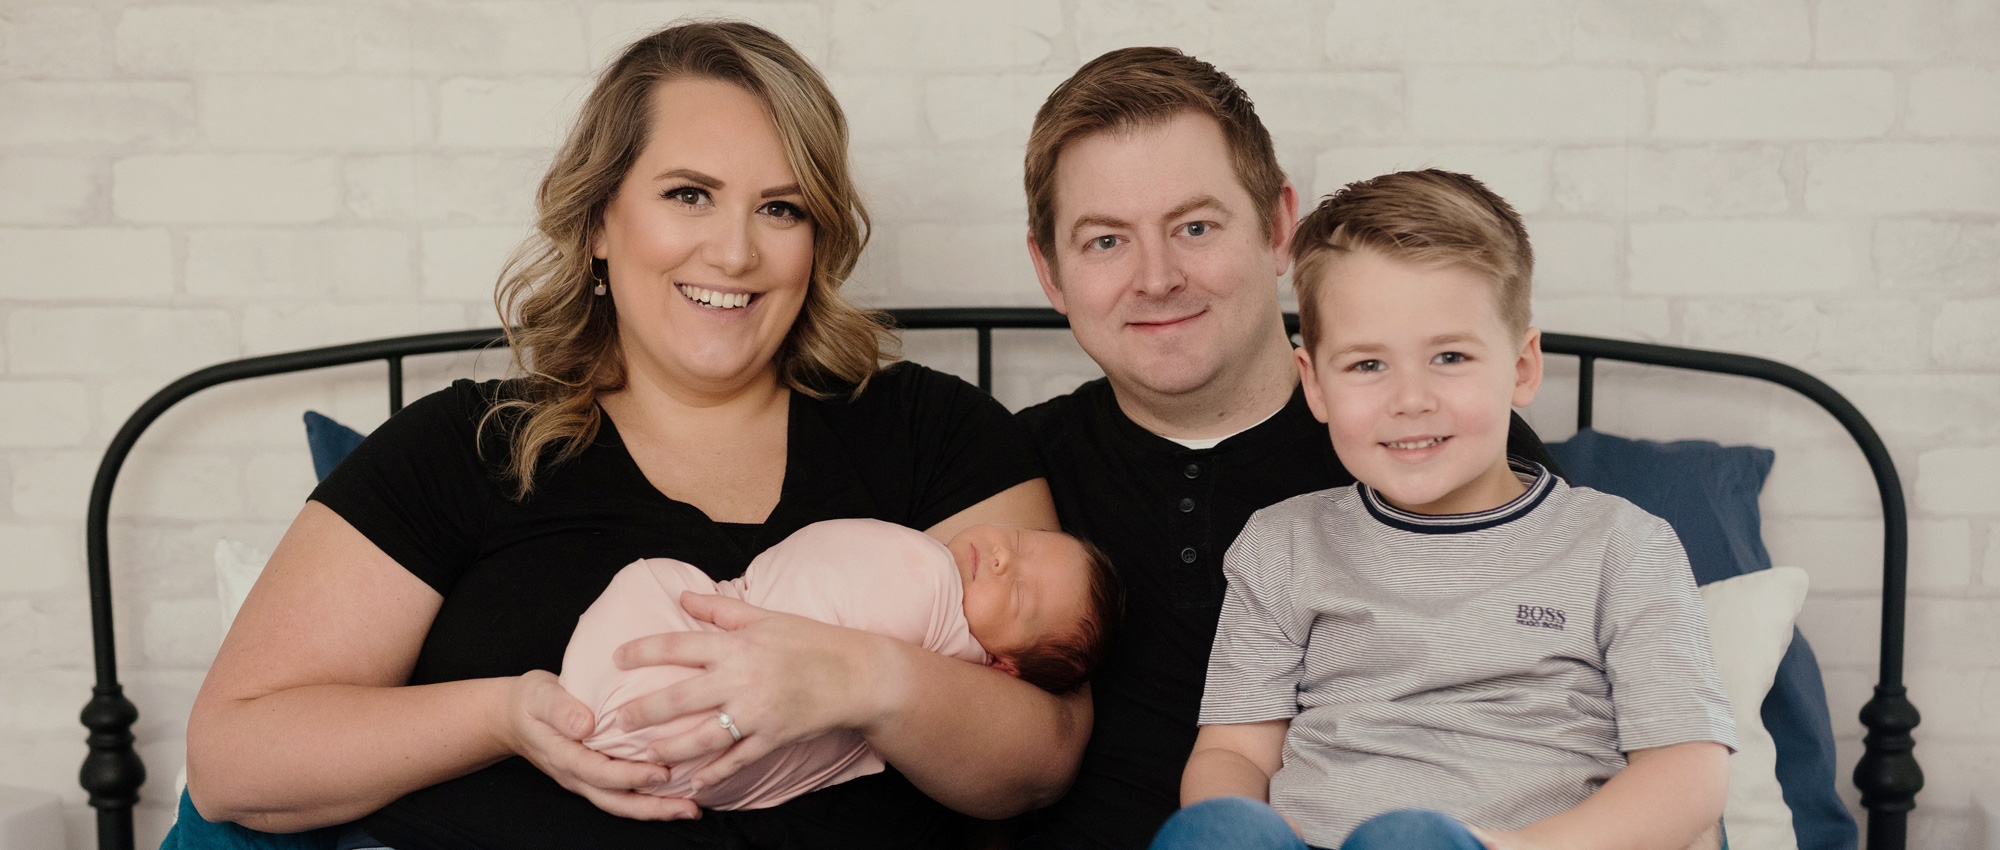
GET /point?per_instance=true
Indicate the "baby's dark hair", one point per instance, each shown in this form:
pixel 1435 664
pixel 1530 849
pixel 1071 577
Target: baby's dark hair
pixel 1062 665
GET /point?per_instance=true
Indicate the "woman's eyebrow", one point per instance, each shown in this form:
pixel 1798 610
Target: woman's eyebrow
pixel 690 175
pixel 781 191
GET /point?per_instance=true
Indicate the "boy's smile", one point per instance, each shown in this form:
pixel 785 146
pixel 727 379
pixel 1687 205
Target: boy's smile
pixel 1415 375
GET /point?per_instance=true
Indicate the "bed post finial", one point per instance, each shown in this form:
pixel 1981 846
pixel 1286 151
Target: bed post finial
pixel 112 773
pixel 1887 774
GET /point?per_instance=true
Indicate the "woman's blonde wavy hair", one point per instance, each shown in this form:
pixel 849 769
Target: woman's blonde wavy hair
pixel 565 339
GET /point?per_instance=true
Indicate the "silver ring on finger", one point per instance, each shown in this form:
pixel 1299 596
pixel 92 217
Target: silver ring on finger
pixel 722 718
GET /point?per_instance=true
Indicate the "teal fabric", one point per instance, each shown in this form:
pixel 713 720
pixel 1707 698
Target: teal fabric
pixel 191 832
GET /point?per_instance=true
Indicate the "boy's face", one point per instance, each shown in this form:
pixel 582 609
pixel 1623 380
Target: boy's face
pixel 1414 375
pixel 1023 586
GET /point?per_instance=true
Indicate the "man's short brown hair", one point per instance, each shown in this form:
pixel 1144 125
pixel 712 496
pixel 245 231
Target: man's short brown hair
pixel 1134 87
pixel 1428 217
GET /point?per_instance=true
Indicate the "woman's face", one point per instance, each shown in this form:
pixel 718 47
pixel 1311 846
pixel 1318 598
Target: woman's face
pixel 707 242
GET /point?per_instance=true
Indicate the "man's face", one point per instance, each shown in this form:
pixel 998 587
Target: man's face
pixel 1161 259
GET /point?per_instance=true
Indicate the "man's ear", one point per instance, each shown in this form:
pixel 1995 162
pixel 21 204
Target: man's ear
pixel 1046 273
pixel 1284 225
pixel 1528 368
pixel 1314 399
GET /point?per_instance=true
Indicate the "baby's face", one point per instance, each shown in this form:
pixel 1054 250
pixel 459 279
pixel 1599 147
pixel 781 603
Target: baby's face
pixel 1023 586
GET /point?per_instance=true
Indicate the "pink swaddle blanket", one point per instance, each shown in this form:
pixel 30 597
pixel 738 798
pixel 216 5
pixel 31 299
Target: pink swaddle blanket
pixel 857 573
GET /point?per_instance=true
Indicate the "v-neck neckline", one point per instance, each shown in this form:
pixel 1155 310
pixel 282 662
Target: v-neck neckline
pixel 785 486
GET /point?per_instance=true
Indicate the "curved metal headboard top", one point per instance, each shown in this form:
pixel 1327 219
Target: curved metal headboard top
pixel 1888 774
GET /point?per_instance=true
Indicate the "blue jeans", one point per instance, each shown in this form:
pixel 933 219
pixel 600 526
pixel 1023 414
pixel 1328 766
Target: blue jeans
pixel 1240 823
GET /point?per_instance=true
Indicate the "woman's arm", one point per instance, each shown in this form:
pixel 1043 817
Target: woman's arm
pixel 784 679
pixel 1234 760
pixel 1664 799
pixel 304 719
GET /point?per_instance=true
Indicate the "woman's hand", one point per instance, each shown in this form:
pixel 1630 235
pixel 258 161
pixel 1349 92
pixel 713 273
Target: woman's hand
pixel 780 678
pixel 544 724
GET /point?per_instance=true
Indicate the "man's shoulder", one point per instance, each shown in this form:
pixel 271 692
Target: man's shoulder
pixel 1050 419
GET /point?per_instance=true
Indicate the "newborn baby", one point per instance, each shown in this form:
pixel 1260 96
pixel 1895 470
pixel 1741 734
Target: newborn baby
pixel 1036 604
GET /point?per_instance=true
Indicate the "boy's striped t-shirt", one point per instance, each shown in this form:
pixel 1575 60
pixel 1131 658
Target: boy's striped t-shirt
pixel 1493 666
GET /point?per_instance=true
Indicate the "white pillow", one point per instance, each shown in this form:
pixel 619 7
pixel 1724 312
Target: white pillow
pixel 1750 621
pixel 237 565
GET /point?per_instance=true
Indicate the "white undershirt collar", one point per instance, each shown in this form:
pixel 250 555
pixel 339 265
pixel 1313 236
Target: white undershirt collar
pixel 1206 443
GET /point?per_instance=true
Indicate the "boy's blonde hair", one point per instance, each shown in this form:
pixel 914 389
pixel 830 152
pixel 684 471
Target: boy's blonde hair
pixel 1428 217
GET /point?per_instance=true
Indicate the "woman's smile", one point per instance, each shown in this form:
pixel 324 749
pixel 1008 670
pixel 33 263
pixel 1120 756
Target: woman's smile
pixel 717 299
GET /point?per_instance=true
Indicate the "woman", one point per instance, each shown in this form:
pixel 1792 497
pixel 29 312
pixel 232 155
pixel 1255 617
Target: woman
pixel 694 388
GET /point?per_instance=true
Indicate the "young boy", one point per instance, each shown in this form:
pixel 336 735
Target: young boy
pixel 1460 633
pixel 1036 604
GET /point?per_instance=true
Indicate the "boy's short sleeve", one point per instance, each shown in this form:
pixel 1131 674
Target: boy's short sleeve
pixel 1259 652
pixel 1654 635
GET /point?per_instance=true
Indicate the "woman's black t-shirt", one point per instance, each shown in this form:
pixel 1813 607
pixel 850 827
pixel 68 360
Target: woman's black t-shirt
pixel 915 448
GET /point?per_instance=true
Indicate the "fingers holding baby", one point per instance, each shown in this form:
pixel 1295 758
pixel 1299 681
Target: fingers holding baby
pixel 791 652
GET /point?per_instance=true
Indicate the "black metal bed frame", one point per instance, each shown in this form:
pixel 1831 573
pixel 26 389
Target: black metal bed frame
pixel 1887 775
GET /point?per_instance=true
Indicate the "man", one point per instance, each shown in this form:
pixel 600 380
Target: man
pixel 1159 222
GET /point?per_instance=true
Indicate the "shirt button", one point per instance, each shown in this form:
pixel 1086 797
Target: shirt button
pixel 1187 505
pixel 1193 470
pixel 1187 555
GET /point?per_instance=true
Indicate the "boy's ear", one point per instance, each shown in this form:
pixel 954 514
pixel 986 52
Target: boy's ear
pixel 1005 666
pixel 1528 368
pixel 1314 399
pixel 1046 273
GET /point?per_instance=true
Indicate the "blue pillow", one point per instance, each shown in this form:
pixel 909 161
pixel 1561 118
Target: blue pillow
pixel 329 441
pixel 1708 493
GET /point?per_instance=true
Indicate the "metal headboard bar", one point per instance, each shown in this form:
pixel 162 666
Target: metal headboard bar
pixel 1888 774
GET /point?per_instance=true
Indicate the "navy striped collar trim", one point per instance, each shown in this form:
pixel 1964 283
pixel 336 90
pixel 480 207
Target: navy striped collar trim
pixel 1540 483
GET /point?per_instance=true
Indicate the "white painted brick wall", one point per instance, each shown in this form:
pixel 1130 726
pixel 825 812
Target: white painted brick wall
pixel 56 114
pixel 315 263
pixel 1387 32
pixel 1570 103
pixel 56 42
pixel 1807 104
pixel 1903 178
pixel 86 264
pixel 260 188
pixel 1919 255
pixel 1954 102
pixel 1699 180
pixel 313 113
pixel 1710 32
pixel 1745 256
pixel 182 39
pixel 189 181
pixel 46 190
pixel 483 112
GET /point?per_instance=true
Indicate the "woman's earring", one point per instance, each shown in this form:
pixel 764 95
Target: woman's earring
pixel 597 277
